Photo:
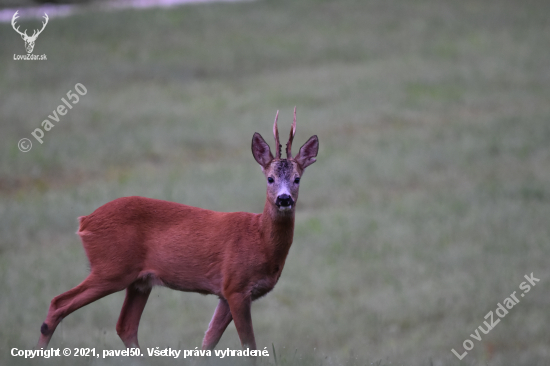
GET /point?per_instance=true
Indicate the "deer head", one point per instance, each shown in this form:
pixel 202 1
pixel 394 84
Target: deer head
pixel 283 175
pixel 29 40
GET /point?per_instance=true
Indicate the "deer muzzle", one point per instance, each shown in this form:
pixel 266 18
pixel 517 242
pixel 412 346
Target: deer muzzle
pixel 284 201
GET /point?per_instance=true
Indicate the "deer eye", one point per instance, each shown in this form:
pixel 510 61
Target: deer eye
pixel 270 180
pixel 297 180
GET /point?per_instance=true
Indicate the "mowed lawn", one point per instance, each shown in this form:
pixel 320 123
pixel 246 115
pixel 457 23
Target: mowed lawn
pixel 428 204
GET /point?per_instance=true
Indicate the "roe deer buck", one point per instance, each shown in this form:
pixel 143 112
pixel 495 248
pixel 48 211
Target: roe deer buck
pixel 134 243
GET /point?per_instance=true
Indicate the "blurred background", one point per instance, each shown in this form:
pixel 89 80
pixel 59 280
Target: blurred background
pixel 428 203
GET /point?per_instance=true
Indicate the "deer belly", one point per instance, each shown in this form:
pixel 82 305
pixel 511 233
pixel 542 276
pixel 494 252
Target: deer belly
pixel 189 280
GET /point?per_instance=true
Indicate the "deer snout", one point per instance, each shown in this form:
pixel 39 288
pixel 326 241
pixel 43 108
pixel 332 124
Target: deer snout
pixel 284 200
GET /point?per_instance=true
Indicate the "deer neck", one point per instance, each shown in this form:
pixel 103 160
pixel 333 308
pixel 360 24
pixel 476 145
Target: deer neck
pixel 278 230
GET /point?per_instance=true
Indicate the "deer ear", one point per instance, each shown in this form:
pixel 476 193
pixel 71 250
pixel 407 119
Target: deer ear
pixel 308 152
pixel 261 151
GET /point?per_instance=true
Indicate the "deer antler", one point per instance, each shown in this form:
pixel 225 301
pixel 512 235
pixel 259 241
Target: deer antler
pixel 35 33
pixel 276 134
pixel 43 26
pixel 15 16
pixel 291 137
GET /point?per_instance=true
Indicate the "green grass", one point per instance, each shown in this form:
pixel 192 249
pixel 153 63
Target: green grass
pixel 428 203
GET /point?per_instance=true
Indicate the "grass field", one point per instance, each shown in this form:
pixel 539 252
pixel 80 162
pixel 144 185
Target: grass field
pixel 429 201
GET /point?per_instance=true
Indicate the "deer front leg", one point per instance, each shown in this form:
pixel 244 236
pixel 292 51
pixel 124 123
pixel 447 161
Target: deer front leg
pixel 128 322
pixel 240 310
pixel 221 319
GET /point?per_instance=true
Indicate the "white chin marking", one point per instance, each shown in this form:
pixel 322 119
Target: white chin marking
pixel 285 208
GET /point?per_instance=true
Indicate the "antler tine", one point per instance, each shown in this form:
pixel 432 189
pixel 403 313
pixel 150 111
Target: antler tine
pixel 15 16
pixel 291 137
pixel 276 135
pixel 43 24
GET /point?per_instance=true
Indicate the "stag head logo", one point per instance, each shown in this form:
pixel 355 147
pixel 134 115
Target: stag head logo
pixel 29 40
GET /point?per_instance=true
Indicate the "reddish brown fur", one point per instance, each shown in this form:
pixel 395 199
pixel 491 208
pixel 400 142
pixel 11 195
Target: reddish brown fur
pixel 134 243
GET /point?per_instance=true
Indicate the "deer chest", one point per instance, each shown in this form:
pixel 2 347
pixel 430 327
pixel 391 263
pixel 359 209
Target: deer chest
pixel 266 283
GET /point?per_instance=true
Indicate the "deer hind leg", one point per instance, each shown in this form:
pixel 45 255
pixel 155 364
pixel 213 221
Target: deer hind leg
pixel 134 303
pixel 90 290
pixel 221 319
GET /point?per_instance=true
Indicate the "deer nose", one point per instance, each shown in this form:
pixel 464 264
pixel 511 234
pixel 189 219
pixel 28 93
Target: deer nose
pixel 284 200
